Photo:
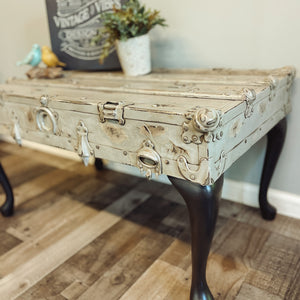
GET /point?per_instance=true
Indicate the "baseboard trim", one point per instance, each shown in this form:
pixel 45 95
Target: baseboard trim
pixel 246 193
pixel 43 148
pixel 242 192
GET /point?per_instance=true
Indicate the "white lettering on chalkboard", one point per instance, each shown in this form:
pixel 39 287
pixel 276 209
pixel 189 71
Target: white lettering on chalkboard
pixel 77 22
pixel 72 20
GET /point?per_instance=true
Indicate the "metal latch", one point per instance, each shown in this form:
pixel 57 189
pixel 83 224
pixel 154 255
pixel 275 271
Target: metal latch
pixel 111 111
pixel 249 96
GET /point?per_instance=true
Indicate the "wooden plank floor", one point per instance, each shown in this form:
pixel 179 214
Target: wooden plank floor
pixel 82 234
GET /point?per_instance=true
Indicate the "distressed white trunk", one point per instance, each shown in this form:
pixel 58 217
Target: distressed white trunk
pixel 188 124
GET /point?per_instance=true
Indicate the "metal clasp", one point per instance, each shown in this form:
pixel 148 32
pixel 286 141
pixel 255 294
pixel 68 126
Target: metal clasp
pixel 111 111
pixel 46 118
pixel 249 96
pixel 148 160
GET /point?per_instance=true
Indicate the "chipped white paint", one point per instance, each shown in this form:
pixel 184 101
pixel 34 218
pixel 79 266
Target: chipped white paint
pixel 196 123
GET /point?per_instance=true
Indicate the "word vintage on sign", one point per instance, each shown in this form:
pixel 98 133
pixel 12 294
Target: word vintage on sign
pixel 72 26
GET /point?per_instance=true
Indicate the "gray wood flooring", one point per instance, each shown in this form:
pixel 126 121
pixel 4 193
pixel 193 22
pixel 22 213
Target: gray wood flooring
pixel 82 234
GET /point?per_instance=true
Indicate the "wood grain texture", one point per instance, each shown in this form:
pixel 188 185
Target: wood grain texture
pixel 107 235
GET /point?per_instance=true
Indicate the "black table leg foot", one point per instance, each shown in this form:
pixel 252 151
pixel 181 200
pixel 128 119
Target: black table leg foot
pixel 276 137
pixel 7 209
pixel 98 164
pixel 202 203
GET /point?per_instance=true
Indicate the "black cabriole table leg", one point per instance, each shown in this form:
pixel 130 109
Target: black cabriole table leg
pixel 202 203
pixel 98 164
pixel 276 137
pixel 7 209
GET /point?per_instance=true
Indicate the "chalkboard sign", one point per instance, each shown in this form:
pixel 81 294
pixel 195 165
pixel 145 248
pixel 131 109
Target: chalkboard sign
pixel 72 24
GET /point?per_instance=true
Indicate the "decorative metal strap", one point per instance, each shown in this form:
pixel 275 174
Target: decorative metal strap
pixel 193 175
pixel 220 163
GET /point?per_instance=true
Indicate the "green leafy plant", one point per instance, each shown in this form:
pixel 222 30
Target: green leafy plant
pixel 131 20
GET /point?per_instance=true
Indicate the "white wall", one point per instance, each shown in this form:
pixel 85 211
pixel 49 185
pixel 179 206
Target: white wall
pixel 22 23
pixel 231 33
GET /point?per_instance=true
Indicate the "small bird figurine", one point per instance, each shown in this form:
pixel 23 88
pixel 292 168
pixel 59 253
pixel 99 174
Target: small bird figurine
pixel 33 58
pixel 50 59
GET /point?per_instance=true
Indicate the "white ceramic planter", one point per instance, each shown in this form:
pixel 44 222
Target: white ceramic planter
pixel 134 55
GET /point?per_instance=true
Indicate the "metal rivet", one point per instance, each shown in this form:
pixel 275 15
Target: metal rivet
pixel 195 138
pixel 97 147
pixel 167 162
pixel 185 138
pixel 125 153
pixel 192 177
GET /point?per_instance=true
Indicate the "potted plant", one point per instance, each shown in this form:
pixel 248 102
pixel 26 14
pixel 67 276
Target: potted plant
pixel 126 29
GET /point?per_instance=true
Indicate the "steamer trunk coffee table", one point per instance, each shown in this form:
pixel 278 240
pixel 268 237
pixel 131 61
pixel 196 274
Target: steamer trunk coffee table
pixel 188 124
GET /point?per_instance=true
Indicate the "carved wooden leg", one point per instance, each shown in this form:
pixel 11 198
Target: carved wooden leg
pixel 202 203
pixel 276 137
pixel 7 209
pixel 98 164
